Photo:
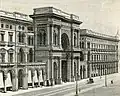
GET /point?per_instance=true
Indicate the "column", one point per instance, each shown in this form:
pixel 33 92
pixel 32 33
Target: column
pixel 52 30
pixel 72 70
pixel 59 37
pixel 5 77
pixel 86 70
pixel 15 80
pixel 6 57
pixel 48 72
pixel 52 82
pixel 90 70
pixel 14 76
pixel 69 70
pixel 45 77
pixel 25 79
pixel 33 74
pixel 48 34
pixel 39 78
pixel 59 72
pixel 78 61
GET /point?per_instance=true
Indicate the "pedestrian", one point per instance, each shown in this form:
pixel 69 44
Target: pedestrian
pixel 111 81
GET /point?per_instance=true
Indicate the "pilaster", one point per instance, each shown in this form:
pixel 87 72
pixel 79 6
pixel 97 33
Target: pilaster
pixel 59 72
pixel 72 70
pixel 5 78
pixel 25 79
pixel 69 70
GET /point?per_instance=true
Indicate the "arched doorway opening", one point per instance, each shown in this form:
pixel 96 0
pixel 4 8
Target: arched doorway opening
pixel 9 80
pixel 30 55
pixel 55 72
pixel 65 41
pixel 20 78
pixel 64 70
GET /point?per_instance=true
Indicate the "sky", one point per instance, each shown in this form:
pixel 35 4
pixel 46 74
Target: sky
pixel 102 16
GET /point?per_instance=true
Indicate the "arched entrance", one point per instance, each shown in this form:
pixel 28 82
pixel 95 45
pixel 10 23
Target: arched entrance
pixel 55 72
pixel 30 55
pixel 65 41
pixel 9 80
pixel 20 78
pixel 64 71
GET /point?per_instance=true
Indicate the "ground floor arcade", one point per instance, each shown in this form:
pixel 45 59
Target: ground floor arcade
pixel 103 68
pixel 22 77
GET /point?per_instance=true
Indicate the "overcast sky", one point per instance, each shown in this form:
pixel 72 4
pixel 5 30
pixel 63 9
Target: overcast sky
pixel 102 16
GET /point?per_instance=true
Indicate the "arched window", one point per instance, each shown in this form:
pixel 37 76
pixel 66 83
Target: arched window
pixel 30 55
pixel 19 37
pixel 75 40
pixel 23 37
pixel 28 40
pixel 21 55
pixel 55 38
pixel 40 38
pixel 32 40
pixel 65 41
pixel 82 44
pixel 44 38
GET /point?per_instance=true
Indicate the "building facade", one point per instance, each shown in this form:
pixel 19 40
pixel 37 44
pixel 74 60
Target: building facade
pixel 56 42
pixel 50 48
pixel 17 52
pixel 102 52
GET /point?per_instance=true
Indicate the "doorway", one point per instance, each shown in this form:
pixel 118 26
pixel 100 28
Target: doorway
pixel 64 71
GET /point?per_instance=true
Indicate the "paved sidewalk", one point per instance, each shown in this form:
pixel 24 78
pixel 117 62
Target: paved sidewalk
pixel 81 82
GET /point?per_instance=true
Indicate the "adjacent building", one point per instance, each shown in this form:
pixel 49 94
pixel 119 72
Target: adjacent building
pixel 17 52
pixel 102 52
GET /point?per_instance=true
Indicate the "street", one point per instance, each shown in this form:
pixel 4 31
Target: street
pixel 95 89
pixel 110 90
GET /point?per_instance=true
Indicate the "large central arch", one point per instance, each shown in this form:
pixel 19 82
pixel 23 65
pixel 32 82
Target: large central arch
pixel 20 78
pixel 65 41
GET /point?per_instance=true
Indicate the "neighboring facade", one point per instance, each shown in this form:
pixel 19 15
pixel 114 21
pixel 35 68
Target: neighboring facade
pixel 17 52
pixel 102 52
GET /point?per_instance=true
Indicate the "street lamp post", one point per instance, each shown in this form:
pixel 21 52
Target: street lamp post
pixel 105 77
pixel 76 84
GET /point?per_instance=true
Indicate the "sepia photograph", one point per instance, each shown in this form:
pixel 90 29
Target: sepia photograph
pixel 59 48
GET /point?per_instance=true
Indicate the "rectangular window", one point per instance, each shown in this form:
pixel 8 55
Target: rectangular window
pixel 11 57
pixel 7 26
pixel 10 37
pixel 3 57
pixel 10 26
pixel 88 44
pixel 2 25
pixel 2 37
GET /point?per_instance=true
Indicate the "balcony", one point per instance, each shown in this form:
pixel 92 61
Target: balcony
pixel 2 43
